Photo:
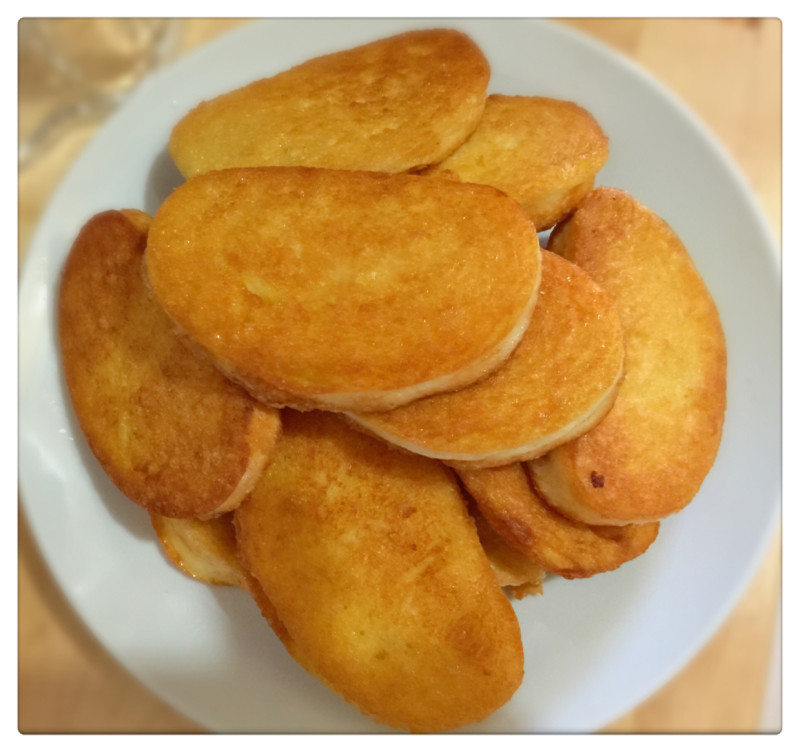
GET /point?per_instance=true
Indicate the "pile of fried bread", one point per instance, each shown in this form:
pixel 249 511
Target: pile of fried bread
pixel 338 370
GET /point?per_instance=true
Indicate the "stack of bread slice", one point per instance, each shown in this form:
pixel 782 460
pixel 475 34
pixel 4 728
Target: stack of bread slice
pixel 338 371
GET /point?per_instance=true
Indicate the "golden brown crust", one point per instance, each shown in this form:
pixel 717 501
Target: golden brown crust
pixel 650 454
pixel 268 612
pixel 516 573
pixel 172 433
pixel 375 573
pixel 344 290
pixel 392 105
pixel 556 543
pixel 205 550
pixel 559 382
pixel 543 152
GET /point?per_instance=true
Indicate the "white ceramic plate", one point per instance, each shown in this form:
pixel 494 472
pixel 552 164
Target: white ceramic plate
pixel 593 648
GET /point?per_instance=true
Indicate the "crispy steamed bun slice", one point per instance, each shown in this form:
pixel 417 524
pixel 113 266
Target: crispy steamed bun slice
pixel 370 565
pixel 560 381
pixel 543 152
pixel 648 457
pixel 557 544
pixel 169 429
pixel 391 105
pixel 205 550
pixel 344 290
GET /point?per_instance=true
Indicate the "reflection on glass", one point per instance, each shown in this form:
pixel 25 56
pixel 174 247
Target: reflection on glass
pixel 72 69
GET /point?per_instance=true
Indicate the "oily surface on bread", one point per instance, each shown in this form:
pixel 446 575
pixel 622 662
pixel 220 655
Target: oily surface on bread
pixel 205 550
pixel 650 454
pixel 541 151
pixel 559 381
pixel 552 541
pixel 373 570
pixel 173 434
pixel 392 105
pixel 519 575
pixel 343 289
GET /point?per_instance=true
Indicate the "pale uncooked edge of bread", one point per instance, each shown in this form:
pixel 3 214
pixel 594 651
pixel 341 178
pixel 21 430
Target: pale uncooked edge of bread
pixel 554 486
pixel 521 453
pixel 176 544
pixel 259 429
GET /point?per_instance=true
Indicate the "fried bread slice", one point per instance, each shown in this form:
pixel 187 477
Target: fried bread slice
pixel 556 543
pixel 372 569
pixel 170 430
pixel 392 105
pixel 205 550
pixel 648 457
pixel 518 575
pixel 543 152
pixel 344 290
pixel 559 382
